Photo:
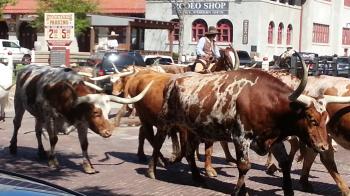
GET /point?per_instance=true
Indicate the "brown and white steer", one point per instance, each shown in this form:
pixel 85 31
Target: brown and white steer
pixel 250 108
pixel 338 126
pixel 54 95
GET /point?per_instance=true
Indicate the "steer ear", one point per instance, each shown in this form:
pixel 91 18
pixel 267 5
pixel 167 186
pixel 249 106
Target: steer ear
pixel 298 107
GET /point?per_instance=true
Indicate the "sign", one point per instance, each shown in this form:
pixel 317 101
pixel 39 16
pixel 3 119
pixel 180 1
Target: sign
pixel 59 28
pixel 201 8
pixel 245 32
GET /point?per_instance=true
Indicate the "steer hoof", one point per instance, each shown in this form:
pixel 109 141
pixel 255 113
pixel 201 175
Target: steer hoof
pixel 288 192
pixel 88 168
pixel 13 149
pixel 150 174
pixel 239 191
pixel 271 169
pixel 53 163
pixel 211 172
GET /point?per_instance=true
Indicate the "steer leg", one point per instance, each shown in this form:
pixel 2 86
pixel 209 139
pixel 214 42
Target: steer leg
pixel 327 158
pixel 157 145
pixel 208 154
pixel 228 156
pixel 243 165
pixel 279 151
pixel 38 133
pixel 52 131
pixel 191 146
pixel 309 156
pixel 87 166
pixel 142 137
pixel 175 144
pixel 19 111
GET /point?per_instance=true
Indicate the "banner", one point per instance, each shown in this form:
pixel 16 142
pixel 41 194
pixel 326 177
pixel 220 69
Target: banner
pixel 201 8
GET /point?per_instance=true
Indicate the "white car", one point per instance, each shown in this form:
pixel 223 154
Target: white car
pixel 158 59
pixel 20 54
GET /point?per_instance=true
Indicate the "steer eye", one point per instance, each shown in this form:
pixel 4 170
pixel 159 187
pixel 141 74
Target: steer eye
pixel 97 114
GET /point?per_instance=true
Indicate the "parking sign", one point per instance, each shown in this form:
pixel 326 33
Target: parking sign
pixel 59 28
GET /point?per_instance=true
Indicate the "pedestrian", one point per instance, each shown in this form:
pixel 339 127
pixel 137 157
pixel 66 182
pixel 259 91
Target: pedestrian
pixel 207 51
pixel 112 42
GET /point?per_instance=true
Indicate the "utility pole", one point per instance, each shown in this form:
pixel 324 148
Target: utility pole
pixel 181 13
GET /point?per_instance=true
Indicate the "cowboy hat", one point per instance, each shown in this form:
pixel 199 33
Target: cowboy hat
pixel 113 34
pixel 212 31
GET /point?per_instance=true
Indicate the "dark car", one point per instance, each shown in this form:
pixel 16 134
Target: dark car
pixel 342 65
pixel 18 184
pixel 244 58
pixel 116 60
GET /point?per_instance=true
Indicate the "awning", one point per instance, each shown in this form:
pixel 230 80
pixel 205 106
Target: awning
pixel 110 21
pixel 104 6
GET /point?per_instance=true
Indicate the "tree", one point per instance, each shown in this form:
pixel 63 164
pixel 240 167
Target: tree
pixel 180 12
pixel 79 7
pixel 3 3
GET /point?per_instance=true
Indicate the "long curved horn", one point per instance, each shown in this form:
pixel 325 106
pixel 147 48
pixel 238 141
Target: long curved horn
pixel 100 77
pixel 116 77
pixel 84 74
pixel 94 86
pixel 133 99
pixel 336 99
pixel 237 63
pixel 115 68
pixel 297 92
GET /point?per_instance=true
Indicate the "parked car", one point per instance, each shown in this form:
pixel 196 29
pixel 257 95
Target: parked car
pixel 18 184
pixel 20 54
pixel 160 59
pixel 244 58
pixel 118 59
pixel 342 65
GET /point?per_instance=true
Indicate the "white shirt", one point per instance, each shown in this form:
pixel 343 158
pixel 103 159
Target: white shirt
pixel 200 46
pixel 112 44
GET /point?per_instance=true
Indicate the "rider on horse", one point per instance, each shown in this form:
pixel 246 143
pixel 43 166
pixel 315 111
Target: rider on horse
pixel 207 51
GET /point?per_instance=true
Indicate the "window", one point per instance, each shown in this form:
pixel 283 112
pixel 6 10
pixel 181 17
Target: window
pixel 320 33
pixel 9 44
pixel 289 34
pixel 346 36
pixel 279 35
pixel 225 29
pixel 270 33
pixel 176 31
pixel 199 27
pixel 347 3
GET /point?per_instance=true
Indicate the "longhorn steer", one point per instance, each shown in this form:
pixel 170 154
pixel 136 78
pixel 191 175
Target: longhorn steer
pixel 54 95
pixel 338 126
pixel 247 107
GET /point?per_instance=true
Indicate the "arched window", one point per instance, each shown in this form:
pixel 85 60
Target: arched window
pixel 270 32
pixel 225 29
pixel 199 27
pixel 176 30
pixel 289 34
pixel 280 33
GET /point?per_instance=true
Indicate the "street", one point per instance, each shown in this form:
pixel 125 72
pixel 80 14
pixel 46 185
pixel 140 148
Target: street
pixel 120 173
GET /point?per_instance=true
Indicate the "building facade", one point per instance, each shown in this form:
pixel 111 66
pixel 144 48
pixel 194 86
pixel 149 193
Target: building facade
pixel 16 19
pixel 262 27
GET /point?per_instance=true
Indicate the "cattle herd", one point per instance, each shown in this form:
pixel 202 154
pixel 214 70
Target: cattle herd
pixel 254 109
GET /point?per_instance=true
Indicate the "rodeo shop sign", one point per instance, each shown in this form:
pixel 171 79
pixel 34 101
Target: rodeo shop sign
pixel 201 8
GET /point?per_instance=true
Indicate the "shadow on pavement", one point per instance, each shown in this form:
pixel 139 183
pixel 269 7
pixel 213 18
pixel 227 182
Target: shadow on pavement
pixel 27 162
pixel 99 190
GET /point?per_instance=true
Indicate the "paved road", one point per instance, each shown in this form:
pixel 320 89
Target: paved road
pixel 122 174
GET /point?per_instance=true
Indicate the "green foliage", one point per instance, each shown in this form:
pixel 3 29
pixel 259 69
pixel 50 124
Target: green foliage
pixel 3 3
pixel 79 7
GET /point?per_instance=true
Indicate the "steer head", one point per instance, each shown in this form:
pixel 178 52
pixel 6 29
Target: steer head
pixel 311 115
pixel 81 106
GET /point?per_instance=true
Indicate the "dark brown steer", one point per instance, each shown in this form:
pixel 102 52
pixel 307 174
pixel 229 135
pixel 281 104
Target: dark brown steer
pixel 250 108
pixel 55 95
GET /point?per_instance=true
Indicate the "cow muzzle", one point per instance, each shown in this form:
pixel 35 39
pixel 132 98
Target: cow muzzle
pixel 321 147
pixel 106 133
